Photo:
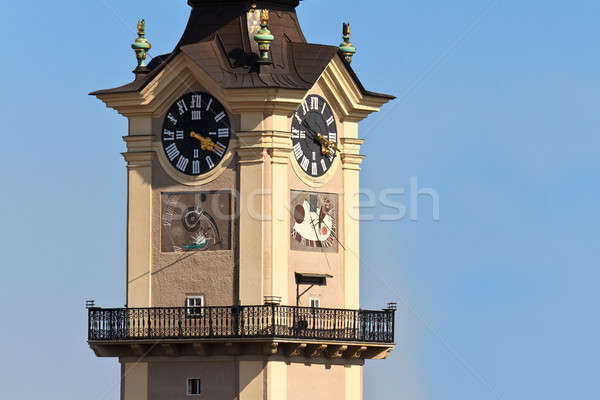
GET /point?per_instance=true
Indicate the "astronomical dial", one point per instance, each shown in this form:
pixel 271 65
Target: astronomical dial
pixel 196 133
pixel 195 221
pixel 314 136
pixel 314 221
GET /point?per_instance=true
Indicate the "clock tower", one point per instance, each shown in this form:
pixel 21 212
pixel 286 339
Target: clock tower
pixel 243 160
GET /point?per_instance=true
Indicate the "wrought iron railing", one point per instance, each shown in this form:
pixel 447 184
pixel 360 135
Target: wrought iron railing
pixel 265 321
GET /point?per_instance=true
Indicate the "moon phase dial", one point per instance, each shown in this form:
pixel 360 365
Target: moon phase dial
pixel 314 221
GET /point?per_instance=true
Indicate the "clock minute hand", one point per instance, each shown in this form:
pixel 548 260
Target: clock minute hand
pixel 308 128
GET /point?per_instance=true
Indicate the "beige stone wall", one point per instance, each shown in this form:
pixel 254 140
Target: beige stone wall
pixel 210 273
pixel 316 382
pixel 168 379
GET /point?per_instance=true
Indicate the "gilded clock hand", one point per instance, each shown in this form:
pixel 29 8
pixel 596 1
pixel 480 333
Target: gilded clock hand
pixel 205 143
pixel 327 146
pixel 309 129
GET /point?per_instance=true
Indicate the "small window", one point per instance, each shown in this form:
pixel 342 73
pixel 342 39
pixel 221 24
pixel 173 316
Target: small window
pixel 193 306
pixel 315 303
pixel 193 387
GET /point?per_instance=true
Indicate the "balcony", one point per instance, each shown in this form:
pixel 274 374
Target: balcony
pixel 236 330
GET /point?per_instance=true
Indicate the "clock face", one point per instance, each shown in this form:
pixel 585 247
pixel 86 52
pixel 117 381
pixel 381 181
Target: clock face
pixel 314 221
pixel 314 136
pixel 196 133
pixel 194 222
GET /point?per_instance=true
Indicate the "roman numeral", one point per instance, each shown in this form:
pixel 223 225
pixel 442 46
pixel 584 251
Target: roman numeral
pixel 182 163
pixel 196 153
pixel 182 107
pixel 212 133
pixel 298 151
pixel 224 132
pixel 314 103
pixel 333 136
pixel 196 115
pixel 172 119
pixel 314 168
pixel 179 135
pixel 209 104
pixel 324 107
pixel 196 101
pixel 210 162
pixel 298 134
pixel 298 118
pixel 168 136
pixel 314 155
pixel 323 165
pixel 305 107
pixel 172 151
pixel 219 149
pixel 330 121
pixel 220 116
pixel 195 167
pixel 304 163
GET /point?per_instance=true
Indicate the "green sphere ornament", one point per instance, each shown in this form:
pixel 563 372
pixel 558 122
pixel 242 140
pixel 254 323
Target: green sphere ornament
pixel 346 47
pixel 264 37
pixel 141 46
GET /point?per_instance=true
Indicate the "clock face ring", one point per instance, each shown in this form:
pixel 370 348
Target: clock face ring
pixel 314 136
pixel 196 133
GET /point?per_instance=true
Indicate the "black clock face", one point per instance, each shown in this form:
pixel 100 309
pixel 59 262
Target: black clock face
pixel 196 133
pixel 314 136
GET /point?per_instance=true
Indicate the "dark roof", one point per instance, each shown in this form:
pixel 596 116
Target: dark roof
pixel 217 39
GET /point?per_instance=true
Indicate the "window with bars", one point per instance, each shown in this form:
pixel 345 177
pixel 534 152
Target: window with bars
pixel 194 306
pixel 315 303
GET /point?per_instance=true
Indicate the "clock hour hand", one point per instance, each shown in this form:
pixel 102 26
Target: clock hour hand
pixel 206 144
pixel 327 146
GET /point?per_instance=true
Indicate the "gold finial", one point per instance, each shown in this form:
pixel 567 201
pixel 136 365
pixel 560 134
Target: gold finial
pixel 141 46
pixel 346 47
pixel 141 27
pixel 264 37
pixel 264 17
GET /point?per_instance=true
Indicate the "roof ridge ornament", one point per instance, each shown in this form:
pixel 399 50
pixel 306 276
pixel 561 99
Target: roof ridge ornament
pixel 346 47
pixel 141 46
pixel 264 37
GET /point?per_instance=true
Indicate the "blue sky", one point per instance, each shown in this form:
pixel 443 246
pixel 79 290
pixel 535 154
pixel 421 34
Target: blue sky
pixel 496 111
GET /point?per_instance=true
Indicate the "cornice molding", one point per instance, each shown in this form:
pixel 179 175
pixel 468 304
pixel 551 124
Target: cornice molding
pixel 138 159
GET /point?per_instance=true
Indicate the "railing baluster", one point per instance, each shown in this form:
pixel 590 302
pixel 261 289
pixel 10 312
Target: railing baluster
pixel 242 321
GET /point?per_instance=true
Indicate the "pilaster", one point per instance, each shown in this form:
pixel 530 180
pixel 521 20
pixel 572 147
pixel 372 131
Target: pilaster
pixel 134 381
pixel 139 220
pixel 351 160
